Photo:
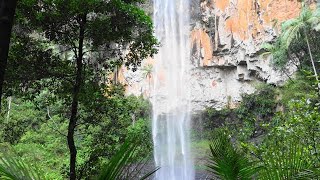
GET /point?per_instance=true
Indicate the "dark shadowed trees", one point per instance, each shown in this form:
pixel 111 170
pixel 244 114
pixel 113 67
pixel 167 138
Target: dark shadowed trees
pixel 88 28
pixel 7 11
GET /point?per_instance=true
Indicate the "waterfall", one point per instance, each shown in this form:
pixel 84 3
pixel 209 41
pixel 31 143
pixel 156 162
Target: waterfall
pixel 170 96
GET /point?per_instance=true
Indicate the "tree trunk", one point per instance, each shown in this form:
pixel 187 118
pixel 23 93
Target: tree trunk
pixel 312 62
pixel 75 100
pixel 7 11
pixel 9 108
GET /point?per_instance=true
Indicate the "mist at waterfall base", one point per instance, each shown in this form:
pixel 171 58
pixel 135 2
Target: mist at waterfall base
pixel 170 96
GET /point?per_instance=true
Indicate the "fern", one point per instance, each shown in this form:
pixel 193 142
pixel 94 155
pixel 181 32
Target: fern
pixel 226 162
pixel 286 163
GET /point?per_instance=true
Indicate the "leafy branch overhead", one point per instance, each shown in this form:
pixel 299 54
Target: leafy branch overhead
pixel 107 22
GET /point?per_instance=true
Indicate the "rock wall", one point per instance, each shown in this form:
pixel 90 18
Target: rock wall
pixel 226 39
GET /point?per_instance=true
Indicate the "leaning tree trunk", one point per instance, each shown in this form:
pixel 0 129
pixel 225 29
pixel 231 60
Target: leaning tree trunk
pixel 313 65
pixel 7 11
pixel 75 101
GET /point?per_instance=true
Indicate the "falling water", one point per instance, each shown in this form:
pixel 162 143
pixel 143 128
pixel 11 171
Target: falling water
pixel 170 91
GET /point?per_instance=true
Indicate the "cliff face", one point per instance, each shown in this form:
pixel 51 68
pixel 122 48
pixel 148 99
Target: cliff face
pixel 226 39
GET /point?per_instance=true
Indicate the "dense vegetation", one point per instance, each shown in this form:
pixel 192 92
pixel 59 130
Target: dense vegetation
pixel 63 117
pixel 60 109
pixel 275 132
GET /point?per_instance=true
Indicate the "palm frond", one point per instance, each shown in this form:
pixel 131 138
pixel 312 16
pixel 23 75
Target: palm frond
pixel 285 163
pixel 265 54
pixel 292 28
pixel 13 168
pixel 315 20
pixel 291 33
pixel 312 173
pixel 289 23
pixel 116 167
pixel 269 49
pixel 147 70
pixel 225 162
pixel 306 13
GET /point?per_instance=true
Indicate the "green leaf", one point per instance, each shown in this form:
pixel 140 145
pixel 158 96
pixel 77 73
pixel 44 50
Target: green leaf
pixel 115 168
pixel 13 168
pixel 227 163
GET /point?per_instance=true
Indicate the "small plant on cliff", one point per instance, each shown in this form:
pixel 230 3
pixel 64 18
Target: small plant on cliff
pixel 147 72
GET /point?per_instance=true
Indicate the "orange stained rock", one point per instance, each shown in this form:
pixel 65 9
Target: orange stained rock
pixel 238 23
pixel 221 4
pixel 250 17
pixel 202 40
pixel 281 10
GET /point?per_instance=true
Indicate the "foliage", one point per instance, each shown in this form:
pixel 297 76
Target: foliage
pixel 278 53
pixel 121 118
pixel 21 118
pixel 283 160
pixel 301 87
pixel 115 168
pixel 285 163
pixel 211 119
pixel 228 163
pixel 7 12
pixel 256 109
pixel 296 27
pixel 46 147
pixel 37 130
pixel 244 122
pixel 106 22
pixel 147 70
pixel 95 32
pixel 290 148
pixel 13 168
pixel 31 60
pixel 298 42
pixel 260 105
pixel 300 123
